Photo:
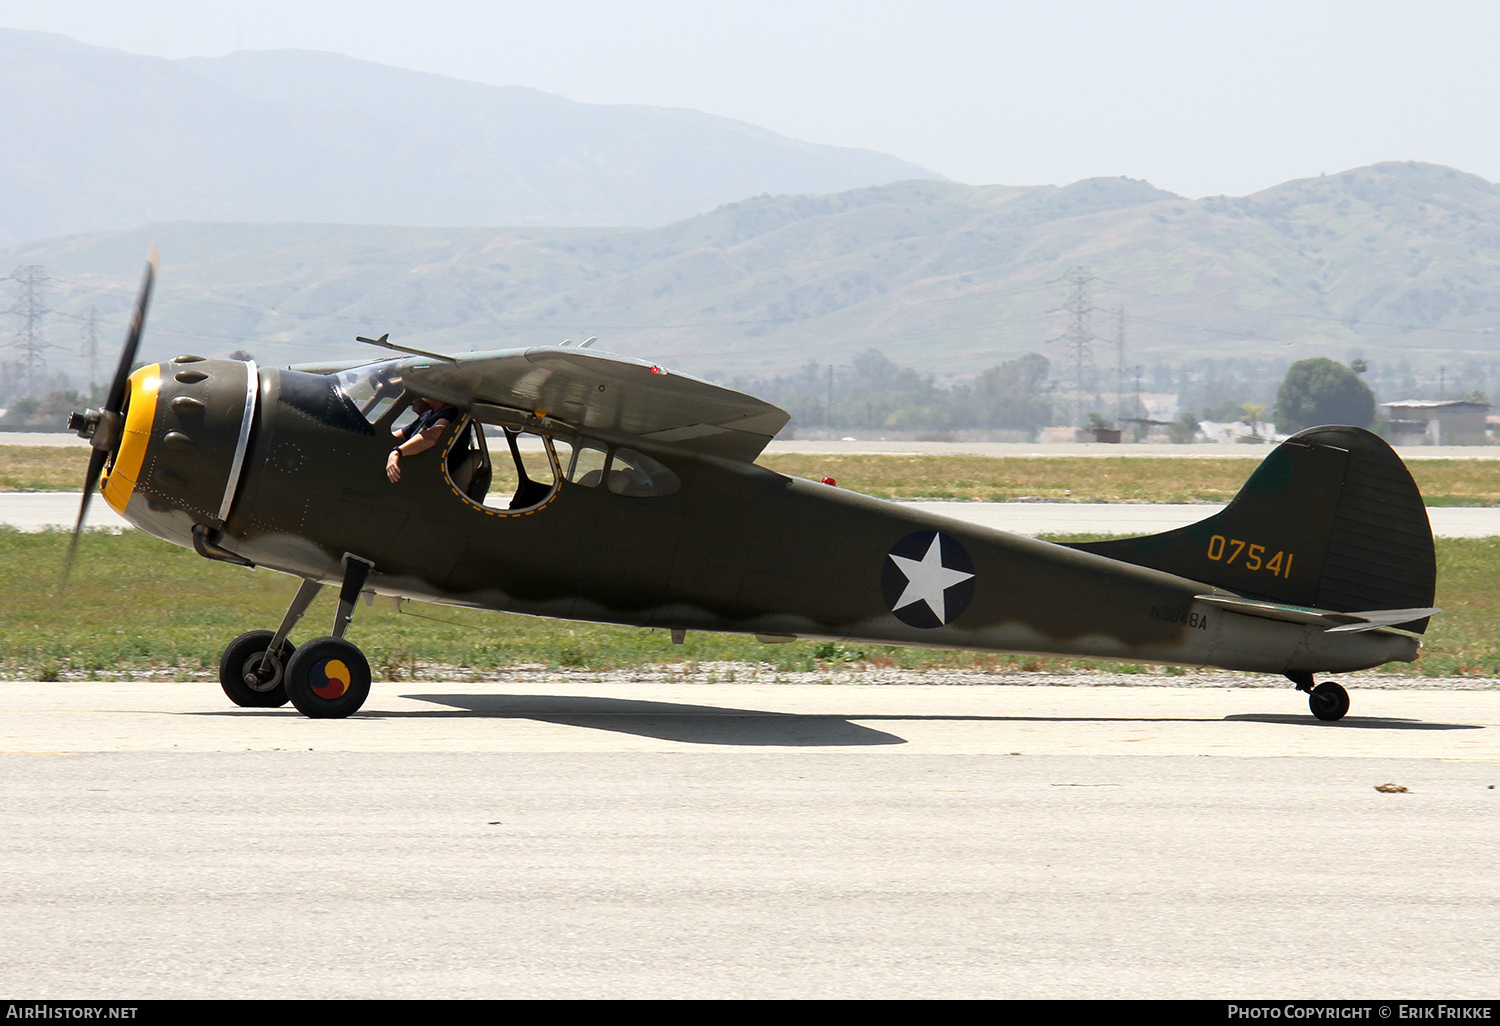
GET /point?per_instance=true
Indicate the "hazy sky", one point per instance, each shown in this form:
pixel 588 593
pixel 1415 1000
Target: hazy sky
pixel 1198 97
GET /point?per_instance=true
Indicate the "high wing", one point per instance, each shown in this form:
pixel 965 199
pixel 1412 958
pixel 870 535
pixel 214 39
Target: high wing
pixel 613 396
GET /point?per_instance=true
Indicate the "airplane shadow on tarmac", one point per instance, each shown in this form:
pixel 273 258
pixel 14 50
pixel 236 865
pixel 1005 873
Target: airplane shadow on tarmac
pixel 670 721
pixel 1353 722
pixel 718 725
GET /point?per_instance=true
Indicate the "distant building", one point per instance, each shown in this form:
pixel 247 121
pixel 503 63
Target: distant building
pixel 1437 422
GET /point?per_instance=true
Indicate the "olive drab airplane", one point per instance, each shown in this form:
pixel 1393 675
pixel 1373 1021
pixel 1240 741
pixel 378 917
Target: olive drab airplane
pixel 574 484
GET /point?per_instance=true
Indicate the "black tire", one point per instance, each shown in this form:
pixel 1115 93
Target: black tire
pixel 328 679
pixel 1329 701
pixel 240 676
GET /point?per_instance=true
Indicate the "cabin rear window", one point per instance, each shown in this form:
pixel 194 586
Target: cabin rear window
pixel 638 475
pixel 586 462
pixel 622 471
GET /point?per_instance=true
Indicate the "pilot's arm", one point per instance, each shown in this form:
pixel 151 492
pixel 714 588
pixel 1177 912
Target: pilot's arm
pixel 419 442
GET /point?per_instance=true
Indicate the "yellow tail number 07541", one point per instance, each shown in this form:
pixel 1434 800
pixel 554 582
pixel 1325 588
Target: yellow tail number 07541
pixel 1228 550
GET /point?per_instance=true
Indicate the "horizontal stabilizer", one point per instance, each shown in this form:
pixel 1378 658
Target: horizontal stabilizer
pixel 1330 619
pixel 1385 618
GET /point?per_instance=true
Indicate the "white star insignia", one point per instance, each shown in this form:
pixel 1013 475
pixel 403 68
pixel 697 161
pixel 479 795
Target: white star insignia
pixel 927 579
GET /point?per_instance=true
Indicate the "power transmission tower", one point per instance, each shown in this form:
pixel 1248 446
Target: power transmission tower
pixel 830 401
pixel 1079 338
pixel 1120 365
pixel 91 348
pixel 32 309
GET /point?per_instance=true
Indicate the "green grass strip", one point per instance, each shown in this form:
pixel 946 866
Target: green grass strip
pixel 138 607
pixel 1162 478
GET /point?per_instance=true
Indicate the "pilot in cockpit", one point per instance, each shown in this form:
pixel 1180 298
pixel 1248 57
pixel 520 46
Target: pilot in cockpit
pixel 420 435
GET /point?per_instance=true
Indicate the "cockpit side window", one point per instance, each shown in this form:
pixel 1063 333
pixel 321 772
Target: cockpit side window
pixel 371 389
pixel 318 396
pixel 513 470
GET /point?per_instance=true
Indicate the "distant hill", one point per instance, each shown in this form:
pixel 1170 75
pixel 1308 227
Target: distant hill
pixel 1397 261
pixel 103 139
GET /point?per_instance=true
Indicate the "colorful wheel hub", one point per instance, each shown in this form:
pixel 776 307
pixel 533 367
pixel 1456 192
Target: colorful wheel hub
pixel 330 678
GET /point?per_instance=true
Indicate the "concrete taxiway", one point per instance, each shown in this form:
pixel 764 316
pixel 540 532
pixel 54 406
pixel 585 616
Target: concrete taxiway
pixel 557 837
pixel 568 716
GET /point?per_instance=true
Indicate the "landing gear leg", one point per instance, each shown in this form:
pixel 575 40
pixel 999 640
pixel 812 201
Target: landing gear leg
pixel 1328 700
pixel 329 678
pixel 252 668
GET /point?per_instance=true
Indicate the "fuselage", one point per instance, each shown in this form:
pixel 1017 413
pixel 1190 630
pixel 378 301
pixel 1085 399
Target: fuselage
pixel 282 469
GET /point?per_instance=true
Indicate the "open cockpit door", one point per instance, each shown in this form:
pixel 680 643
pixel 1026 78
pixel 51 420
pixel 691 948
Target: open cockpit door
pixel 468 461
pixel 520 476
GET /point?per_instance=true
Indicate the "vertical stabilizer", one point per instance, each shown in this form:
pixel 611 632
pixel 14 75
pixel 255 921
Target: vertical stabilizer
pixel 1331 519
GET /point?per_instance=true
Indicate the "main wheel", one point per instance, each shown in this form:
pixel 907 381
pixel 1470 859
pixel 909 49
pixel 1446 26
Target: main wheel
pixel 252 677
pixel 1329 701
pixel 328 678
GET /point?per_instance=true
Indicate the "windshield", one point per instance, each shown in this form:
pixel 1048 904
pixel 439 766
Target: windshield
pixel 371 388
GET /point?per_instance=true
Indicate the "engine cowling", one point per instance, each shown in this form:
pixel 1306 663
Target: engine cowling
pixel 186 430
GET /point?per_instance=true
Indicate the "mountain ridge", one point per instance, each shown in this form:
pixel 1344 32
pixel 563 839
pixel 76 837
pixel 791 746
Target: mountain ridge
pixel 1393 261
pixel 115 140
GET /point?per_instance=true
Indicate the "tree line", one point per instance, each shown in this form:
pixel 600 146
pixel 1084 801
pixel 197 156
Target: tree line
pixel 872 393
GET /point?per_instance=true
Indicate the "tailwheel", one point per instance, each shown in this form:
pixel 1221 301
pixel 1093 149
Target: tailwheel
pixel 1329 701
pixel 328 678
pixel 250 675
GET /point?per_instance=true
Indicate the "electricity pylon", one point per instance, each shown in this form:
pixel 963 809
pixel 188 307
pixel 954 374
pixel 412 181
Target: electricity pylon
pixel 1079 338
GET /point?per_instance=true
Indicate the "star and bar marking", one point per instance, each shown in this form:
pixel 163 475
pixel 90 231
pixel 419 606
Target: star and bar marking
pixel 928 579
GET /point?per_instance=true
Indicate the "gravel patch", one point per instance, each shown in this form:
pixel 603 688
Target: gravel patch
pixel 750 673
pixel 766 673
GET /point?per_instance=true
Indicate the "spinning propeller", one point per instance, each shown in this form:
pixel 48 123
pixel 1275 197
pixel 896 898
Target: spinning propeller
pixel 104 427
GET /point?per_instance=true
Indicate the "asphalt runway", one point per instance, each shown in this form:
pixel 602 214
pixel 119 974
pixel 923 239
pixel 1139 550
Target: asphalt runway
pixel 37 511
pixel 552 837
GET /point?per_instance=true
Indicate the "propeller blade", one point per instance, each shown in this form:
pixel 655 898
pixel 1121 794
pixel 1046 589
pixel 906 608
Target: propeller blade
pixel 113 404
pixel 132 337
pixel 96 464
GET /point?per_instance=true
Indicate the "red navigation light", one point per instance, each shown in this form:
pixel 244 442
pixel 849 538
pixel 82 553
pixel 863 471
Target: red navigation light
pixel 830 481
